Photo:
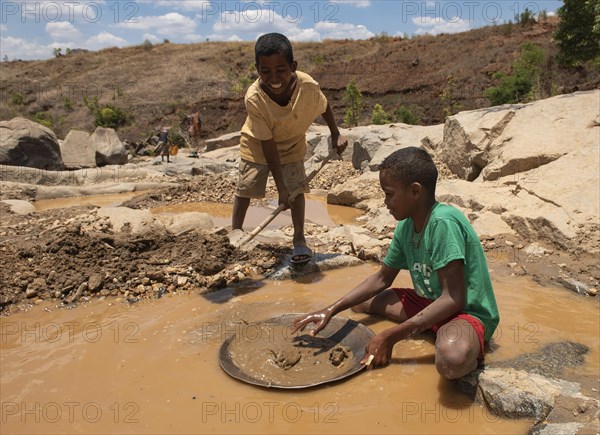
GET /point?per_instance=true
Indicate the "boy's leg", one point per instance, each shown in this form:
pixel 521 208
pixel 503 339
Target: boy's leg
pixel 294 176
pixel 457 348
pixel 252 182
pixel 388 304
pixel 240 207
pixel 298 207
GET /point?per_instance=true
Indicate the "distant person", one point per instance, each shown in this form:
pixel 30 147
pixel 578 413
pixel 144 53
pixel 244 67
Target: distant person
pixel 194 129
pixel 163 144
pixel 281 104
pixel 435 242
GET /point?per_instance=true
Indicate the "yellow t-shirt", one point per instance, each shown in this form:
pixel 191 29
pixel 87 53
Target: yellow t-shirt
pixel 286 125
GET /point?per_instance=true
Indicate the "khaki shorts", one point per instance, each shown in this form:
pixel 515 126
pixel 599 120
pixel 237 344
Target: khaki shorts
pixel 162 149
pixel 252 181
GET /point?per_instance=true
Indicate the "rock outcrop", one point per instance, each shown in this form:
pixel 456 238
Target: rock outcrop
pixel 109 148
pixel 530 169
pixel 78 151
pixel 27 143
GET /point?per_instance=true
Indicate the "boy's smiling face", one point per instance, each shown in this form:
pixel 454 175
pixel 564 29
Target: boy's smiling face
pixel 400 200
pixel 276 73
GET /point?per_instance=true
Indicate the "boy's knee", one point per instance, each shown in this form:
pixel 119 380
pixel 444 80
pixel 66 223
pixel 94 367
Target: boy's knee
pixel 452 362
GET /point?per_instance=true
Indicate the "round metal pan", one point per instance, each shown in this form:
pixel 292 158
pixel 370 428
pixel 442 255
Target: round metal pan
pixel 345 332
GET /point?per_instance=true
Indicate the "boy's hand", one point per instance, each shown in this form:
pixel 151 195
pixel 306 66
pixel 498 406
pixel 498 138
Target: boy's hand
pixel 339 143
pixel 321 318
pixel 381 348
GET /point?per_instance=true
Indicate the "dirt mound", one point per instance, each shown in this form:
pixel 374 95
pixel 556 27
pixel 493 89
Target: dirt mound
pixel 68 254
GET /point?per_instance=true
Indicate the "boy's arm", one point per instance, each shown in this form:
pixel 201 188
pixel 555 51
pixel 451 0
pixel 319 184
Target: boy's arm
pixel 452 301
pixel 338 145
pixel 370 287
pixel 269 148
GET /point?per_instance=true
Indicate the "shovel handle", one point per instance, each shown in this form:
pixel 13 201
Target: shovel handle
pixel 279 209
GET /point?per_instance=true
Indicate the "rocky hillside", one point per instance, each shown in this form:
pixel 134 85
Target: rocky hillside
pixel 160 84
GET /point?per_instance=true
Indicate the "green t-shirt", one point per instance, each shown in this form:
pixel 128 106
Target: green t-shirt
pixel 447 236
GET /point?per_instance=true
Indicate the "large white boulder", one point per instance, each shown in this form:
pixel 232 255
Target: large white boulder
pixel 27 143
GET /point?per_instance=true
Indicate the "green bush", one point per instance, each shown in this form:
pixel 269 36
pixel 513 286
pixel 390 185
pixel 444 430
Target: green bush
pixel 526 18
pixel 406 116
pixel 354 104
pixel 523 84
pixel 68 104
pixel 147 45
pixel 578 32
pixel 17 98
pixel 379 116
pixel 448 98
pixel 107 116
pixel 43 118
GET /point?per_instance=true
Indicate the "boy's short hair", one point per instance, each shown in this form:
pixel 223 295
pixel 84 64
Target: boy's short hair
pixel 273 43
pixel 409 165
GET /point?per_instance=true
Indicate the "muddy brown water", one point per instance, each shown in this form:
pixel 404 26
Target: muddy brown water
pixel 107 200
pixel 152 367
pixel 317 209
pixel 317 212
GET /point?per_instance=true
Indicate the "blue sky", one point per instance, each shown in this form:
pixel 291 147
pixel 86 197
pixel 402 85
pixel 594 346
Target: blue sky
pixel 33 29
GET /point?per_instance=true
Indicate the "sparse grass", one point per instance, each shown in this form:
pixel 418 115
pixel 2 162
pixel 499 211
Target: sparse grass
pixel 198 73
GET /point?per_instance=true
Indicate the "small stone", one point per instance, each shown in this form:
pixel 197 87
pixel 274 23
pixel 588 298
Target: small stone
pixel 512 265
pixel 562 265
pixel 509 243
pixel 592 291
pixel 95 282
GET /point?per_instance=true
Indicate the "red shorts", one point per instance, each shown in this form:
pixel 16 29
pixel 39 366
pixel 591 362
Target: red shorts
pixel 414 303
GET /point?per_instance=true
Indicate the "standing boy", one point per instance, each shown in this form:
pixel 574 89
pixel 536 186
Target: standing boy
pixel 281 105
pixel 452 293
pixel 163 144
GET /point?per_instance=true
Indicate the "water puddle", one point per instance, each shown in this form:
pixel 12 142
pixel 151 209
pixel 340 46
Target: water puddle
pixel 317 212
pixel 107 200
pixel 152 367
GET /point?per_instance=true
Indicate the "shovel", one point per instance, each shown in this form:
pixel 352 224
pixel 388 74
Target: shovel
pixel 239 238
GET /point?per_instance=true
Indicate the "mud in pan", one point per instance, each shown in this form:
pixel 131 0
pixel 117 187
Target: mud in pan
pixel 268 355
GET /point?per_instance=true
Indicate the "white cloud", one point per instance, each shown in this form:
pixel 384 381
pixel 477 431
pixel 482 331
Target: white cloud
pixel 356 3
pixel 255 20
pixel 343 31
pixel 104 40
pixel 172 23
pixel 234 38
pixel 18 48
pixel 152 38
pixel 63 31
pixel 304 35
pixel 194 38
pixel 189 5
pixel 436 26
